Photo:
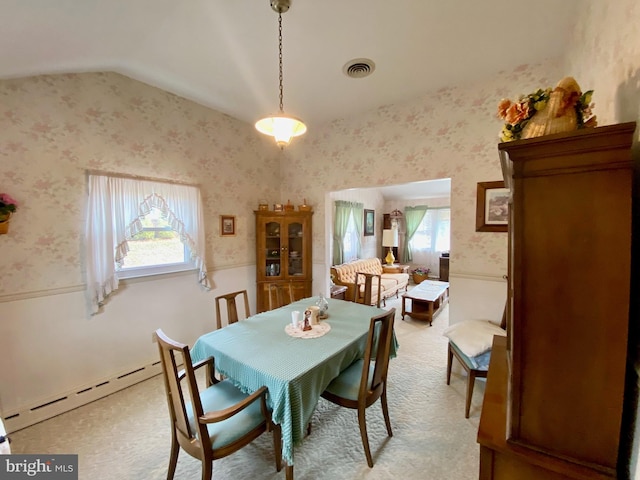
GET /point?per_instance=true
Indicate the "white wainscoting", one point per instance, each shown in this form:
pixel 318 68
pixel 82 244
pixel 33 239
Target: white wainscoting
pixel 57 357
pixel 475 296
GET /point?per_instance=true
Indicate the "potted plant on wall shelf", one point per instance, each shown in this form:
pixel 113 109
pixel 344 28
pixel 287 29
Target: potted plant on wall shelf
pixel 7 207
pixel 420 274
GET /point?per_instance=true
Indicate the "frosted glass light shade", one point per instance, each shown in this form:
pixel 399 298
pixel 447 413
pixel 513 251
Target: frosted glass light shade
pixel 282 127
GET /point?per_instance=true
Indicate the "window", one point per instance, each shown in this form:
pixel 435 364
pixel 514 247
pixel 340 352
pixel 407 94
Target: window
pixel 350 240
pixel 431 238
pixel 154 250
pixel 121 207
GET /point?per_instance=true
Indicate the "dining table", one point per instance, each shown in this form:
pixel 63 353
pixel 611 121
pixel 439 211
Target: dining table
pixel 264 350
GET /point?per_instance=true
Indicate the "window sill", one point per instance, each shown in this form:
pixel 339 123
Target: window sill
pixel 149 276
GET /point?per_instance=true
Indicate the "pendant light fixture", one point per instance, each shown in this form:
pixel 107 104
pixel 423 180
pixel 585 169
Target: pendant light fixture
pixel 281 126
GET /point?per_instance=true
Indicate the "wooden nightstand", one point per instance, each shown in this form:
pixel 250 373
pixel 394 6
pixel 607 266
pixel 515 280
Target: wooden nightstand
pixel 395 268
pixel 338 291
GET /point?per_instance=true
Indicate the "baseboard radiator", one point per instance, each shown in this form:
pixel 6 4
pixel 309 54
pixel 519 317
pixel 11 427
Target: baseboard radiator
pixel 61 403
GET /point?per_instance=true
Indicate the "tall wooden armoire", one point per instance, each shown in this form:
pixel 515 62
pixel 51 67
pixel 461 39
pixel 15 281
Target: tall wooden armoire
pixel 555 393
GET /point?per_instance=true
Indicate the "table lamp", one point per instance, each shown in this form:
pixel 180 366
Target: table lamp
pixel 390 239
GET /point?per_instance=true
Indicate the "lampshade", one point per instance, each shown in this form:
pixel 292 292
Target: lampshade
pixel 282 127
pixel 390 238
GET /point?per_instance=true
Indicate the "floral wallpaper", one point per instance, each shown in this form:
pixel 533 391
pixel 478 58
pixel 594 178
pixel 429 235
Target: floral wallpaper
pixel 605 56
pixel 450 133
pixel 54 128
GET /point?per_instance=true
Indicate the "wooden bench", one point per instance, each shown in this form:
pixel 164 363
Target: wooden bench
pixel 427 299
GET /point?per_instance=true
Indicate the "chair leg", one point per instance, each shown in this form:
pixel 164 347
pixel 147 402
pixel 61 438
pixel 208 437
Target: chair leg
pixel 207 469
pixel 385 411
pixel 277 445
pixel 449 362
pixel 362 422
pixel 173 456
pixel 471 380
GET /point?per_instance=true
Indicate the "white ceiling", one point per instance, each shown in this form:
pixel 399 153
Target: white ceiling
pixel 223 53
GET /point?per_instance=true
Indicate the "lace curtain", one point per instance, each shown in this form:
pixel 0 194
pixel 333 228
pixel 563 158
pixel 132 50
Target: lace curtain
pixel 115 206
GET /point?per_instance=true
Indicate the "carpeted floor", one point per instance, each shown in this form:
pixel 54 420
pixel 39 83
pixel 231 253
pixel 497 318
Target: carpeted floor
pixel 127 436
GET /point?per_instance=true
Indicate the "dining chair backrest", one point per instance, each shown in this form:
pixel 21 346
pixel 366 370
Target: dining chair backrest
pixel 377 349
pixel 173 354
pixel 367 297
pixel 280 294
pixel 232 307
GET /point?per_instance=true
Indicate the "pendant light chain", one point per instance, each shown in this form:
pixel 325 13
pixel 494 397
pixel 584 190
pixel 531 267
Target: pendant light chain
pixel 281 127
pixel 280 59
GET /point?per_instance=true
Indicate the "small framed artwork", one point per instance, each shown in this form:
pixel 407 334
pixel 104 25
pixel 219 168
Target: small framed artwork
pixel 369 222
pixel 227 225
pixel 492 207
pixel 277 207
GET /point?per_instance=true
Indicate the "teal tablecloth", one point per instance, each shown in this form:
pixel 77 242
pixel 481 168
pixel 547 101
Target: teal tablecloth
pixel 257 351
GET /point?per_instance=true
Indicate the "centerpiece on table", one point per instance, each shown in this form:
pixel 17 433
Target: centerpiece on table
pixel 7 207
pixel 543 112
pixel 420 274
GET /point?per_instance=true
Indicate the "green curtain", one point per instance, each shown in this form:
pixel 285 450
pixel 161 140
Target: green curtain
pixel 412 216
pixel 358 218
pixel 340 223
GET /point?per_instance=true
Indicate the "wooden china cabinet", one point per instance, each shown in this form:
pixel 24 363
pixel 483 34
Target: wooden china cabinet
pixel 283 253
pixel 555 393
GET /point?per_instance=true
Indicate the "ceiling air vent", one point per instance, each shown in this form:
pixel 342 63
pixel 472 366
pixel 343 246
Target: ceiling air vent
pixel 359 68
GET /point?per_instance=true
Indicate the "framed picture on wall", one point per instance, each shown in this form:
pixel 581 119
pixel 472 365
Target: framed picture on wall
pixel 492 207
pixel 227 225
pixel 369 222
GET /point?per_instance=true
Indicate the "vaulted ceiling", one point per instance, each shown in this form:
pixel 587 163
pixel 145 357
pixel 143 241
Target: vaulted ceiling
pixel 223 53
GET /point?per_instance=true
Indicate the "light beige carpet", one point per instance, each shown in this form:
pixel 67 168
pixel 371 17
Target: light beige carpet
pixel 127 436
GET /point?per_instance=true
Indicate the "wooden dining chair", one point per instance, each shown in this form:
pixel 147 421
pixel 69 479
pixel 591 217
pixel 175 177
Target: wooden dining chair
pixel 365 294
pixel 280 294
pixel 215 422
pixel 232 307
pixel 365 381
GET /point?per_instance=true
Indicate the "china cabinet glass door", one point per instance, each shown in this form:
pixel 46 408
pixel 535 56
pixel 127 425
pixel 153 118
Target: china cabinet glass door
pixel 273 247
pixel 295 235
